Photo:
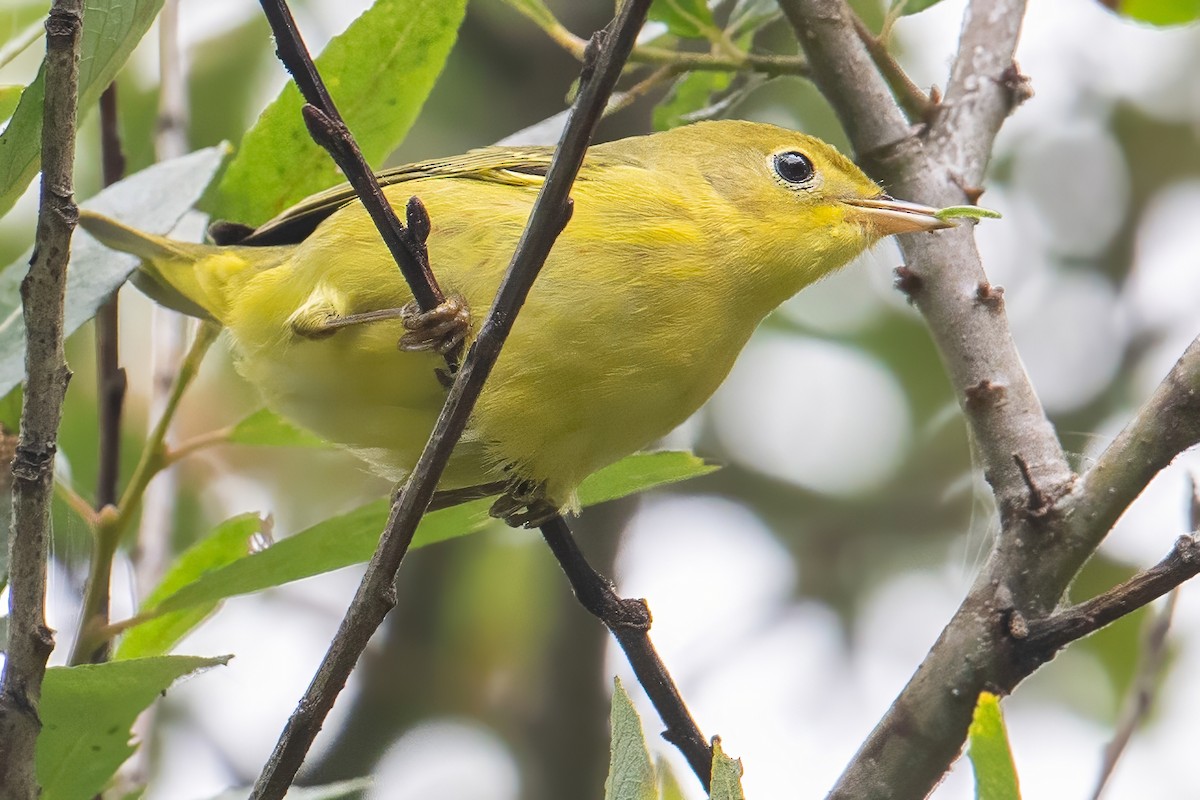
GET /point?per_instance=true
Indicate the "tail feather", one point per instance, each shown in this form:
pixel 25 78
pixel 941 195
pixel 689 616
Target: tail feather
pixel 190 278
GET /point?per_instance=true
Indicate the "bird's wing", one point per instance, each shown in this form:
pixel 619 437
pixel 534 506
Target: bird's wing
pixel 513 166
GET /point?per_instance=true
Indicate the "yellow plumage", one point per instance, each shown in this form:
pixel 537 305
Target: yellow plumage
pixel 681 242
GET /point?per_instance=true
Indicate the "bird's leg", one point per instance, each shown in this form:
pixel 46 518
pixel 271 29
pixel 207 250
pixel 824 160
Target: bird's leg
pixel 441 329
pixel 318 324
pixel 524 505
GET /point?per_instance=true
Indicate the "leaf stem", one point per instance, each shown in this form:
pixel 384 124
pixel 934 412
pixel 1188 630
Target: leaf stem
pixel 113 521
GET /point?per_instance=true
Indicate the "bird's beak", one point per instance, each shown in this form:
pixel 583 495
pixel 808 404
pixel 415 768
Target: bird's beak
pixel 887 216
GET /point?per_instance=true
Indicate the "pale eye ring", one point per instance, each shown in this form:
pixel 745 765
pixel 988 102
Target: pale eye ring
pixel 794 167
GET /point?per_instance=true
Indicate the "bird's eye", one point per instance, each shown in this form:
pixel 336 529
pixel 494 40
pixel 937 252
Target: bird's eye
pixel 794 167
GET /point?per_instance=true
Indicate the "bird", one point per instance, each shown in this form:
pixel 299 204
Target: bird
pixel 680 243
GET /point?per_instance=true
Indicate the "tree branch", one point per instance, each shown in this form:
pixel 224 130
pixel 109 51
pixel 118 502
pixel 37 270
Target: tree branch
pixel 43 293
pixel 629 622
pixel 329 130
pixel 375 595
pixel 1041 638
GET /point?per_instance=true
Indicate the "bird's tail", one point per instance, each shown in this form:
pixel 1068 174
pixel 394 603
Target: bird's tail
pixel 194 279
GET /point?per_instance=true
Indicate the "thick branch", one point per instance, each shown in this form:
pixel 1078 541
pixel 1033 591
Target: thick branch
pixel 375 595
pixel 42 292
pixel 922 732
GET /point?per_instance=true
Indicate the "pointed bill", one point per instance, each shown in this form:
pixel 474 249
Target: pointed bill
pixel 889 216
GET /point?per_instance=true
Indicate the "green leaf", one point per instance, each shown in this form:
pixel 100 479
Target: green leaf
pixel 351 538
pixel 111 29
pixel 726 775
pixel 1157 12
pixel 630 773
pixel 668 785
pixel 967 212
pixel 690 19
pixel 227 543
pixel 907 7
pixel 86 714
pixel 537 11
pixel 9 95
pixel 689 94
pixel 152 200
pixel 265 427
pixel 991 759
pixel 379 72
pixel 640 472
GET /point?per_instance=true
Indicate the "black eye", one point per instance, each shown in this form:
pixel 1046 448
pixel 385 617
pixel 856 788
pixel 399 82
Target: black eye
pixel 794 167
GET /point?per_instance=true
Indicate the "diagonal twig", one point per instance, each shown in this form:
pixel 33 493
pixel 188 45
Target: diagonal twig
pixel 330 131
pixel 629 622
pixel 376 593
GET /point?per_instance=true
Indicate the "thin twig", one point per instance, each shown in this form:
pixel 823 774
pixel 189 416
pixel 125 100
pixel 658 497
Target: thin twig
pixel 1049 634
pixel 916 103
pixel 629 621
pixel 42 293
pixel 110 377
pixel 330 131
pixel 376 593
pixel 731 59
pixel 1144 687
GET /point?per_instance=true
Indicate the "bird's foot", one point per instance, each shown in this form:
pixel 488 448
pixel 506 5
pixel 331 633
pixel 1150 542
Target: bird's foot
pixel 440 329
pixel 524 505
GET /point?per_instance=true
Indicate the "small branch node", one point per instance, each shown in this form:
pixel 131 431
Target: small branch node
pixel 417 219
pixel 971 192
pixel 908 282
pixel 1018 86
pixel 1018 626
pixel 1038 504
pixel 33 462
pixel 989 296
pixel 984 394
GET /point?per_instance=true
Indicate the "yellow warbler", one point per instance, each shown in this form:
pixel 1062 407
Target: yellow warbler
pixel 680 244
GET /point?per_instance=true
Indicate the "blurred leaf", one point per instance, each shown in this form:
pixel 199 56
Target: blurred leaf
pixel 86 714
pixel 379 72
pixel 750 15
pixel 668 784
pixel 906 7
pixel 351 538
pixel 9 95
pixel 630 773
pixel 228 542
pixel 3 632
pixel 111 29
pixel 18 17
pixel 726 775
pixel 330 791
pixel 991 759
pixel 152 200
pixel 537 11
pixel 690 19
pixel 1116 647
pixel 689 94
pixel 265 427
pixel 1156 12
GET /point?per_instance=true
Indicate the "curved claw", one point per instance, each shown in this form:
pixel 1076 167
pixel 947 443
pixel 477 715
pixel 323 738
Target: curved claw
pixel 440 329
